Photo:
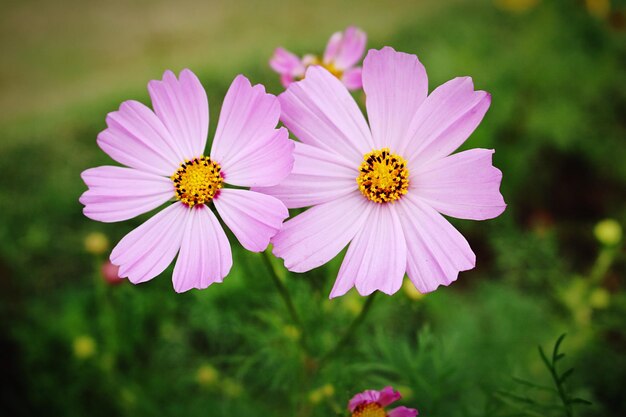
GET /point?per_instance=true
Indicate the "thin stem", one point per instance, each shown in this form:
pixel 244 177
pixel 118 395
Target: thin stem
pixel 351 329
pixel 282 290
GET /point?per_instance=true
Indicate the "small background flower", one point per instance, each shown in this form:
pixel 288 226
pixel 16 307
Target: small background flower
pixel 372 403
pixel 343 52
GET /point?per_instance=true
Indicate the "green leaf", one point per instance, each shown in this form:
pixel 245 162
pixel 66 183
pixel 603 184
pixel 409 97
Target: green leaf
pixel 566 375
pixel 555 352
pixel 579 401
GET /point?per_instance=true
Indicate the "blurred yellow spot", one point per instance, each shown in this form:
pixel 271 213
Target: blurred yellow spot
pixel 291 332
pixel 516 6
pixel 231 388
pixel 84 347
pixel 410 290
pixel 352 303
pixel 206 375
pixel 406 392
pixel 96 243
pixel 608 232
pixel 598 8
pixel 317 395
pixel 328 390
pixel 599 298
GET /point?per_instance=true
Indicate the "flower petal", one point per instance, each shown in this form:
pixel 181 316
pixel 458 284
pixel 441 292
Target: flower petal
pixel 146 251
pixel 388 395
pixel 402 412
pixel 284 62
pixel 253 217
pixel 266 161
pixel 316 236
pixel 351 49
pixel 247 145
pixel 117 193
pixel 352 78
pixel 395 85
pixel 465 185
pixel 436 250
pixel 182 106
pixel 205 255
pixel 365 397
pixel 332 47
pixel 318 176
pixel 445 120
pixel 376 258
pixel 320 112
pixel 137 138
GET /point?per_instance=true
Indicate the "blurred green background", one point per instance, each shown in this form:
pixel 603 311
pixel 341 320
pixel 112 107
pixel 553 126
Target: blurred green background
pixel 72 344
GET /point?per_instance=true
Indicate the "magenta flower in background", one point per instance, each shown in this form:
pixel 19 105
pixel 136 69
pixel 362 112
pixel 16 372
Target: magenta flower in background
pixel 383 188
pixel 372 403
pixel 343 52
pixel 164 151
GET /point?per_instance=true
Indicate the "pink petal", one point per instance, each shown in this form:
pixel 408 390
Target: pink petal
pixel 395 84
pixel 253 217
pixel 320 112
pixel 146 251
pixel 376 258
pixel 182 106
pixel 351 49
pixel 352 78
pixel 318 176
pixel 205 256
pixel 286 80
pixel 402 412
pixel 387 396
pixel 117 194
pixel 137 138
pixel 247 145
pixel 445 120
pixel 465 185
pixel 365 397
pixel 332 47
pixel 284 62
pixel 316 236
pixel 436 250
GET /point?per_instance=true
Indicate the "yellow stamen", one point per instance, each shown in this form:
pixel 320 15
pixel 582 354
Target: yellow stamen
pixel 197 181
pixel 383 176
pixel 369 410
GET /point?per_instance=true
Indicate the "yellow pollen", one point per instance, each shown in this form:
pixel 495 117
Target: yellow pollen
pixel 369 410
pixel 383 176
pixel 333 70
pixel 197 181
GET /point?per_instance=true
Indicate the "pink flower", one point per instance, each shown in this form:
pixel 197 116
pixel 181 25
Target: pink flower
pixel 110 273
pixel 343 53
pixel 372 403
pixel 383 188
pixel 165 152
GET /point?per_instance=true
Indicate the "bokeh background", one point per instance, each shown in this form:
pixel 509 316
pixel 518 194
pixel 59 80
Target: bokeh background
pixel 74 344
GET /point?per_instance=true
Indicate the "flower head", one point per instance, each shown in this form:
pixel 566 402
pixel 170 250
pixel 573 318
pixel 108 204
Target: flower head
pixel 164 152
pixel 343 52
pixel 372 403
pixel 383 188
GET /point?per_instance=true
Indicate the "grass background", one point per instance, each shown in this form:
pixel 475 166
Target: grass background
pixel 72 345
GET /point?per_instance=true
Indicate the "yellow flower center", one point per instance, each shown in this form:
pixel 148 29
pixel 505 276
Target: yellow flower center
pixel 333 70
pixel 383 176
pixel 197 181
pixel 369 410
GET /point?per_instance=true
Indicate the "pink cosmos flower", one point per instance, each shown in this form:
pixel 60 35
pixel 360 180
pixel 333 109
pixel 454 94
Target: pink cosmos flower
pixel 384 188
pixel 164 151
pixel 372 403
pixel 343 52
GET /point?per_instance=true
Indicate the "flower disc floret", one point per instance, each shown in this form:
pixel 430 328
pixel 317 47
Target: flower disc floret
pixel 369 410
pixel 383 176
pixel 197 181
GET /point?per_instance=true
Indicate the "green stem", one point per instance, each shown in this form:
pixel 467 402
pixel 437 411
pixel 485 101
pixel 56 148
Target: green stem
pixel 282 290
pixel 351 329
